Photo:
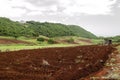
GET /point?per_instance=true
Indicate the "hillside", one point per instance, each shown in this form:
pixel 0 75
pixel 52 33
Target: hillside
pixel 10 28
pixel 79 31
pixel 115 39
pixel 34 29
pixel 57 29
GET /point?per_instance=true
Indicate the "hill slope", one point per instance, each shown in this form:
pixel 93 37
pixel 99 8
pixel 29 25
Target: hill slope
pixel 32 28
pixel 10 28
pixel 57 29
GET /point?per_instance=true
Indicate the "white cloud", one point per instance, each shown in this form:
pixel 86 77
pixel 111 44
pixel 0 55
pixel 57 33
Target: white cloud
pixel 119 6
pixel 39 10
pixel 34 13
pixel 53 8
pixel 91 7
pixel 7 10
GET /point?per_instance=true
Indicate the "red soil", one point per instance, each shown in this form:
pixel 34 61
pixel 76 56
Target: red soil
pixel 87 41
pixel 75 42
pixel 11 41
pixel 105 72
pixel 72 63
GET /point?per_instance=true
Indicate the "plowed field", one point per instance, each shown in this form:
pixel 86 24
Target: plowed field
pixel 71 63
pixel 12 41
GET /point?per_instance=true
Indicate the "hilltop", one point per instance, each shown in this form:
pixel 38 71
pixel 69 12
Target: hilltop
pixel 34 29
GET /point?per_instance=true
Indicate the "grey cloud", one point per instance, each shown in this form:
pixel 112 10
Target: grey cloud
pixel 100 24
pixel 43 2
pixel 23 7
pixel 47 3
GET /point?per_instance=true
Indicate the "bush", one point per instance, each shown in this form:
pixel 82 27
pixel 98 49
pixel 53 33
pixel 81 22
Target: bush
pixel 71 40
pixel 118 40
pixel 50 41
pixel 40 39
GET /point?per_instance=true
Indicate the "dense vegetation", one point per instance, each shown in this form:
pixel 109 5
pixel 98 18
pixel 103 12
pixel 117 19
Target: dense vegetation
pixel 34 29
pixel 10 28
pixel 115 39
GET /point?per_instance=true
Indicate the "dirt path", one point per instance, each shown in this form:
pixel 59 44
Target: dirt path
pixel 111 70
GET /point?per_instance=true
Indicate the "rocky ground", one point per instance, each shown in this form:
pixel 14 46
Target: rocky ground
pixel 111 70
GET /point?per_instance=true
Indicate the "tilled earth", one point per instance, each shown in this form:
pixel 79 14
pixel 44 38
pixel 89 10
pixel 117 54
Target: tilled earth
pixel 12 41
pixel 71 63
pixel 111 70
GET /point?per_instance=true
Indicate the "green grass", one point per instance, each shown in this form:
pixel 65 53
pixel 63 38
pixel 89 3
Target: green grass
pixel 68 37
pixel 32 40
pixel 14 47
pixel 94 41
pixel 21 47
pixel 97 41
pixel 7 37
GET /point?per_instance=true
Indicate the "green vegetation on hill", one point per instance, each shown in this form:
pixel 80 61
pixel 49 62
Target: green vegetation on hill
pixel 10 28
pixel 34 29
pixel 57 30
pixel 80 32
pixel 115 39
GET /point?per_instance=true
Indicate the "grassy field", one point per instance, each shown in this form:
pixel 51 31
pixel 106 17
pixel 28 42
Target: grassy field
pixel 4 48
pixel 7 37
pixel 14 47
pixel 97 41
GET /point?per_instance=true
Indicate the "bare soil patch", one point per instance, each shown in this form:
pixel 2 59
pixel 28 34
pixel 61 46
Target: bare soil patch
pixel 71 63
pixel 111 70
pixel 12 41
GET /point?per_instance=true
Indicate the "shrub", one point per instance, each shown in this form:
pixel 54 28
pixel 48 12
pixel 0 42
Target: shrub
pixel 118 40
pixel 70 40
pixel 40 39
pixel 50 41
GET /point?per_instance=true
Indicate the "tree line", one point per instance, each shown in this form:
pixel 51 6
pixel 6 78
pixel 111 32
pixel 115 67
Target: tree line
pixel 34 29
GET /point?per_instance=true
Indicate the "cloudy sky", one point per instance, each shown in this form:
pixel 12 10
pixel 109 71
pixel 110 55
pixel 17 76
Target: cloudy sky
pixel 101 17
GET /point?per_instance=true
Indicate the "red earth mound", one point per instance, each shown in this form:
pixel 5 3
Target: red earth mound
pixel 72 63
pixel 11 41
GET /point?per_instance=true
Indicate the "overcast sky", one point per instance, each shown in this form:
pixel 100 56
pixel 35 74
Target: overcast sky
pixel 101 17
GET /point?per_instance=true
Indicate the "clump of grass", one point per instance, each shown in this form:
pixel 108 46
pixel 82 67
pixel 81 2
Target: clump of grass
pixel 70 40
pixel 41 39
pixel 51 41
